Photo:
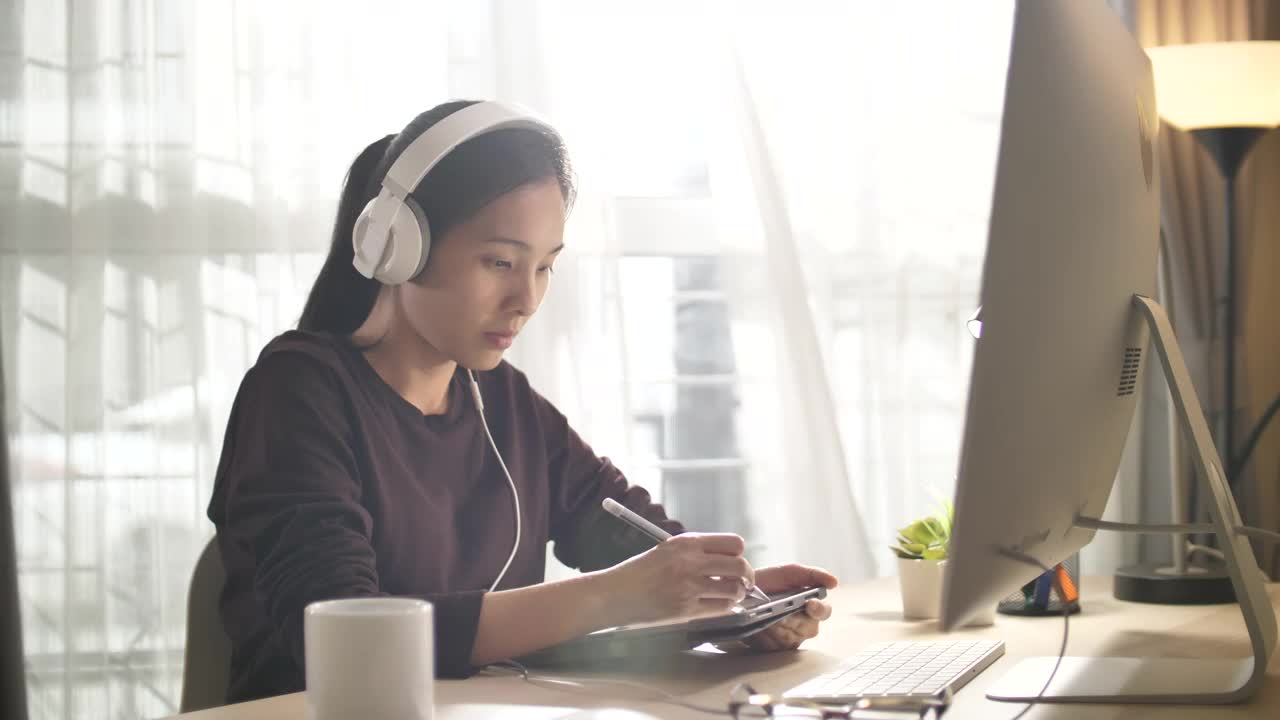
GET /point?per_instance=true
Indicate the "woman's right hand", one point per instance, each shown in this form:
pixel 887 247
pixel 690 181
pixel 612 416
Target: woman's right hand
pixel 692 573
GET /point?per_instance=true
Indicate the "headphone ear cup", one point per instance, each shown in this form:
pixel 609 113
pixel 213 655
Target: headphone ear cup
pixel 360 242
pixel 407 245
pixel 422 232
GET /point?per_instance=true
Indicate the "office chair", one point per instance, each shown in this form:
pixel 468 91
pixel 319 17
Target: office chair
pixel 206 664
pixel 13 693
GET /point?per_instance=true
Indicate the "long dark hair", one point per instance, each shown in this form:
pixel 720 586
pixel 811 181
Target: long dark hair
pixel 475 174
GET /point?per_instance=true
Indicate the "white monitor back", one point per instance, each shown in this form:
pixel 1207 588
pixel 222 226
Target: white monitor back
pixel 1074 235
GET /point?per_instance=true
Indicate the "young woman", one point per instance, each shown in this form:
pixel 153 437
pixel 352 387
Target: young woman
pixel 356 462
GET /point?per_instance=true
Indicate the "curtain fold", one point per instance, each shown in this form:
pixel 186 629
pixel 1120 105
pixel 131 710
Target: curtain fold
pixel 827 525
pixel 885 161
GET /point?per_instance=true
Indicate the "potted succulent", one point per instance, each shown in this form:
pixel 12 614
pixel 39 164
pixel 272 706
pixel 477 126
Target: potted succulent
pixel 922 552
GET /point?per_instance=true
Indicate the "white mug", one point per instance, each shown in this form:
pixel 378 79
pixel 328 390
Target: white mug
pixel 370 658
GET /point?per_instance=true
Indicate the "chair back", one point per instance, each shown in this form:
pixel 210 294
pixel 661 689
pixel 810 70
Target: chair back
pixel 206 665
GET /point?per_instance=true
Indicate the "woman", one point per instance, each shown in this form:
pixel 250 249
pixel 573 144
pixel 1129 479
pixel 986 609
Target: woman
pixel 356 463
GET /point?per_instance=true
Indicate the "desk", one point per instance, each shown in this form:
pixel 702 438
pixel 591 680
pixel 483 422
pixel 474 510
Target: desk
pixel 870 612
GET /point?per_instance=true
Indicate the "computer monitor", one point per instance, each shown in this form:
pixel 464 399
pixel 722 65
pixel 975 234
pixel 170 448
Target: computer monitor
pixel 1066 322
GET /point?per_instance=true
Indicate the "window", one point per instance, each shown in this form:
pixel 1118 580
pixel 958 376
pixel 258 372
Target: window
pixel 682 390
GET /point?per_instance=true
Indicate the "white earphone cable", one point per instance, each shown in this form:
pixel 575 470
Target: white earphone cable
pixel 515 495
pixel 1066 624
pixel 585 685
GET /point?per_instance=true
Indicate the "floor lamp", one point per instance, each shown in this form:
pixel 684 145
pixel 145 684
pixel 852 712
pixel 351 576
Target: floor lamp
pixel 1227 95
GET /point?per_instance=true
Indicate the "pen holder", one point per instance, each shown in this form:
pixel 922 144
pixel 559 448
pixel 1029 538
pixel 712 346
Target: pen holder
pixel 1041 597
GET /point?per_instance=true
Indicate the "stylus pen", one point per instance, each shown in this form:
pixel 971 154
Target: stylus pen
pixel 626 515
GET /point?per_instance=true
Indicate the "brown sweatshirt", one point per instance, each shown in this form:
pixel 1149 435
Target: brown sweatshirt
pixel 332 485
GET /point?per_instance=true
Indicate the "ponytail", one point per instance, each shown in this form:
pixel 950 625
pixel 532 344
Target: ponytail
pixel 341 298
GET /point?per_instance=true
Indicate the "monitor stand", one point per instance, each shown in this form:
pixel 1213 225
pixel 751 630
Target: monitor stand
pixel 1160 679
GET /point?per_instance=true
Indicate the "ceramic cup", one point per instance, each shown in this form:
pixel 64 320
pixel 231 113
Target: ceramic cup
pixel 370 658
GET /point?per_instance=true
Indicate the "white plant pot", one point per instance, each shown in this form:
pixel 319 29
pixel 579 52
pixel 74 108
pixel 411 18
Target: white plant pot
pixel 921 584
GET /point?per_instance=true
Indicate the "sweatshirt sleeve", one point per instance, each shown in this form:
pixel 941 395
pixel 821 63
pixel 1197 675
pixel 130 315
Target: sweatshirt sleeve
pixel 585 536
pixel 292 500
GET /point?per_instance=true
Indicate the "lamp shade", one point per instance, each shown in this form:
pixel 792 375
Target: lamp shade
pixel 1213 85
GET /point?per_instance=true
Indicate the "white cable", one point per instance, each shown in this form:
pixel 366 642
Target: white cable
pixel 1211 552
pixel 584 683
pixel 1066 624
pixel 1150 528
pixel 515 496
pixel 1259 533
pixel 1096 524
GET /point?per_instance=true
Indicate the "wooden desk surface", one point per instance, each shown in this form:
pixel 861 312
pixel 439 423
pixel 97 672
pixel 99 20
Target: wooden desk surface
pixel 866 613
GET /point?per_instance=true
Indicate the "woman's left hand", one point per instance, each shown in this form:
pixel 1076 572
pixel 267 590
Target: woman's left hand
pixel 788 633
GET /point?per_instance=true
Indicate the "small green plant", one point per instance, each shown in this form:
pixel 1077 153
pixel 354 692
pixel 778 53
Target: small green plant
pixel 926 538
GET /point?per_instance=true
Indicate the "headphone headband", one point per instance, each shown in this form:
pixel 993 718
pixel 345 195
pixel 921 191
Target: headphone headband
pixel 440 139
pixel 381 249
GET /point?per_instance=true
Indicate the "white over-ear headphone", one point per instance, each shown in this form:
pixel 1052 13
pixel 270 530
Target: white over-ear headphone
pixel 392 236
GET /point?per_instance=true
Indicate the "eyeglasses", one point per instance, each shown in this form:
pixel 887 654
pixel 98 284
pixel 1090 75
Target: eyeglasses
pixel 746 704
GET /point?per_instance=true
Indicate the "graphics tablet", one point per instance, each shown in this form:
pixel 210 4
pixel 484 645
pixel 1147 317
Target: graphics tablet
pixel 671 636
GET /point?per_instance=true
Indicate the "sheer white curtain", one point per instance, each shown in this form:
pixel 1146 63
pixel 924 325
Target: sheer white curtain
pixel 760 315
pixel 881 124
pixel 168 173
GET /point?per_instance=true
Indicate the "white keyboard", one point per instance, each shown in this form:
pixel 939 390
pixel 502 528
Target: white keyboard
pixel 901 669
